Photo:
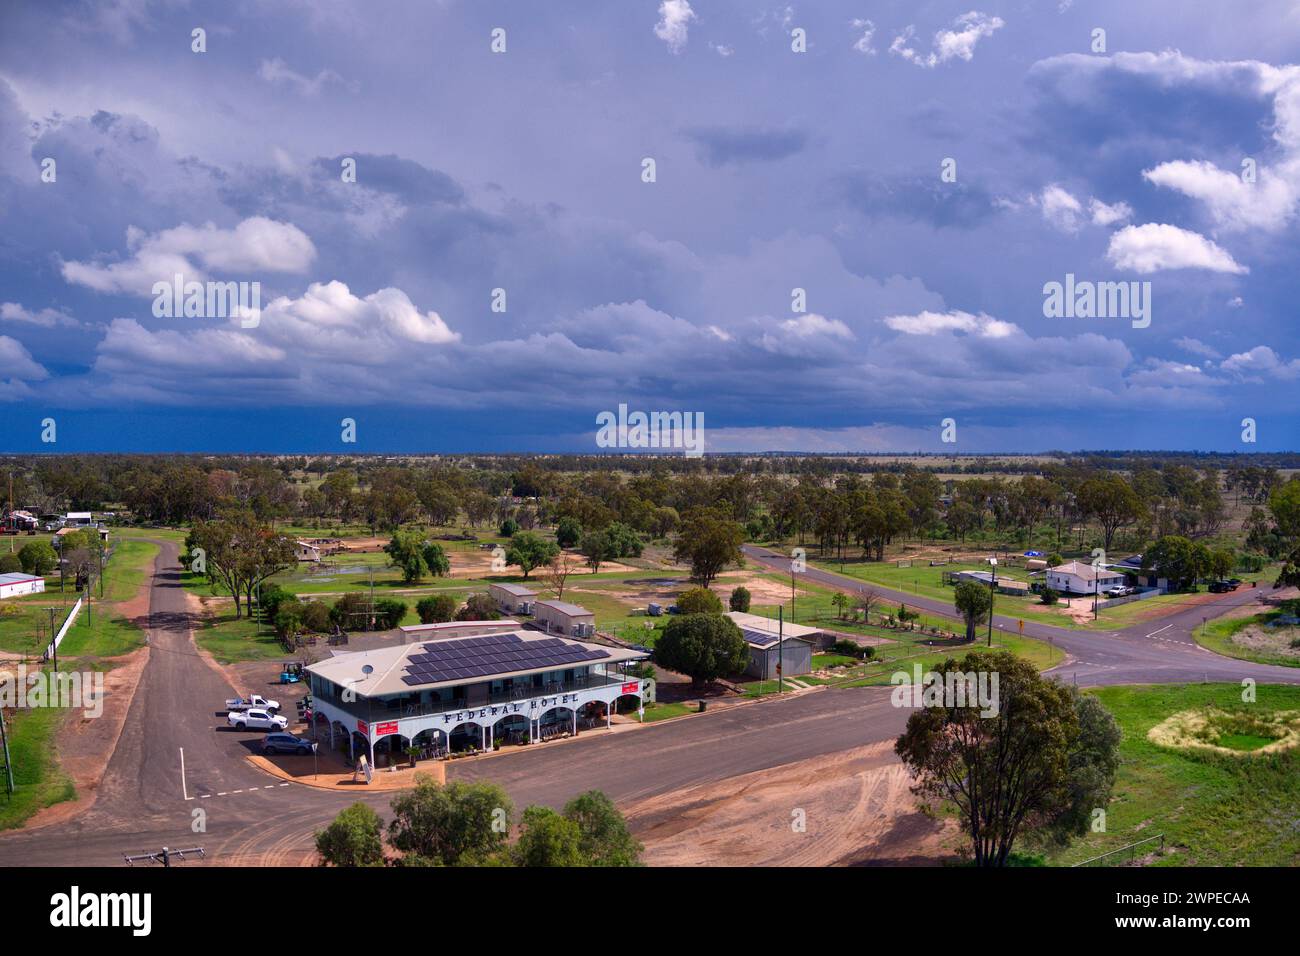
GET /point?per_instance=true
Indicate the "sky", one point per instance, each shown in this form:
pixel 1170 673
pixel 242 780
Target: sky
pixel 477 226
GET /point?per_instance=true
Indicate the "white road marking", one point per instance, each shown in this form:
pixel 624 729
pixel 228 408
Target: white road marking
pixel 1165 628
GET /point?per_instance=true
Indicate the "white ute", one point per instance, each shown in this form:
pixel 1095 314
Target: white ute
pixel 252 700
pixel 255 719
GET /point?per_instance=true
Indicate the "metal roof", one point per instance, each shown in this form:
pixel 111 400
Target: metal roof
pixel 768 638
pixel 518 590
pixel 18 577
pixel 469 660
pixel 564 607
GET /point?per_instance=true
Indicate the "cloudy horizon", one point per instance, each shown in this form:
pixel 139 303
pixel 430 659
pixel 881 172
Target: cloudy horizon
pixel 476 227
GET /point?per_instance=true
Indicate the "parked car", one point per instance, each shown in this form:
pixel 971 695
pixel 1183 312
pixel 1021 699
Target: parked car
pixel 1121 590
pixel 252 700
pixel 285 744
pixel 256 719
pixel 1222 587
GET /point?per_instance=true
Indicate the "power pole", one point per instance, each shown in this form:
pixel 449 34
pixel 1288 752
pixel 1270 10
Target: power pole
pixel 4 744
pixel 164 856
pixel 780 650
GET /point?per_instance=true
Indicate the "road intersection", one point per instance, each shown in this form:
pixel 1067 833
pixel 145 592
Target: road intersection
pixel 241 815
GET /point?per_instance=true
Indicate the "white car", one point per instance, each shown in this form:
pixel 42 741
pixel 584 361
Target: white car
pixel 256 719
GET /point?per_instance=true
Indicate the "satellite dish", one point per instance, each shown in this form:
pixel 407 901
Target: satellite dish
pixel 367 669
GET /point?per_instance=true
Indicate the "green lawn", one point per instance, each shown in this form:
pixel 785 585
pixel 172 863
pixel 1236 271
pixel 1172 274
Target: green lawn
pixel 657 711
pixel 128 569
pixel 1218 636
pixel 1214 809
pixel 231 640
pixel 38 780
pixel 101 635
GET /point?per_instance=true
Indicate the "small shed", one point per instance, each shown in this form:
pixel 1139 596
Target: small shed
pixel 561 617
pixel 767 625
pixel 512 598
pixel 771 657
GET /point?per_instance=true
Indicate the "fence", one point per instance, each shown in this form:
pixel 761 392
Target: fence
pixel 51 647
pixel 1130 849
pixel 1129 599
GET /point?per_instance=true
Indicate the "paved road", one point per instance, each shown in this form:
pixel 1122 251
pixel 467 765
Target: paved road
pixel 250 817
pixel 1163 652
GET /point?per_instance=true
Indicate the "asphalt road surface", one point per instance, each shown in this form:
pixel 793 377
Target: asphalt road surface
pixel 250 817
pixel 1163 652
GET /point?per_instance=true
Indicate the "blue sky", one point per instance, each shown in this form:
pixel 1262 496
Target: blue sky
pixel 522 171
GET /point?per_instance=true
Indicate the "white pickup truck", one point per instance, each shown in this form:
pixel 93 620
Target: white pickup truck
pixel 256 719
pixel 252 700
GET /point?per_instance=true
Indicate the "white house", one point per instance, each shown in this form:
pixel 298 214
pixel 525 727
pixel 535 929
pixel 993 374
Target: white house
pixel 306 551
pixel 16 583
pixel 1078 578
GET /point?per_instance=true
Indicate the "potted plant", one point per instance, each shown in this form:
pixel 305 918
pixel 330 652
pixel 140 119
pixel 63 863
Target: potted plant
pixel 412 752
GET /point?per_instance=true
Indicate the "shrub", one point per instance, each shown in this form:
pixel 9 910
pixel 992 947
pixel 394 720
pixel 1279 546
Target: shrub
pixel 316 617
pixel 38 557
pixel 509 527
pixel 699 601
pixel 568 532
pixel 704 647
pixel 479 607
pixel 853 649
pixel 437 609
pixel 351 611
pixel 389 612
pixel 1050 596
pixel 355 838
pixel 10 563
pixel 740 599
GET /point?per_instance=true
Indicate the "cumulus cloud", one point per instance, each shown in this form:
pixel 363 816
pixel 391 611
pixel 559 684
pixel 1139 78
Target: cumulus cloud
pixel 675 18
pixel 1108 214
pixel 303 349
pixel 866 32
pixel 1060 208
pixel 1154 246
pixel 255 245
pixel 1197 347
pixel 1234 205
pixel 1066 212
pixel 45 318
pixel 17 369
pixel 957 43
pixel 932 323
pixel 1261 362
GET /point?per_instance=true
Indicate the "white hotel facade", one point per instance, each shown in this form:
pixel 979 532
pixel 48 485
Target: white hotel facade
pixel 458 692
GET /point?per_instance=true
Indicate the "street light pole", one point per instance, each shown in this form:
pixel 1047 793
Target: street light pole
pixel 993 583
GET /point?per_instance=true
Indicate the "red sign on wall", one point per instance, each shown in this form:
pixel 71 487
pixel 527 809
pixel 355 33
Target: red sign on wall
pixel 632 688
pixel 390 727
pixel 361 726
